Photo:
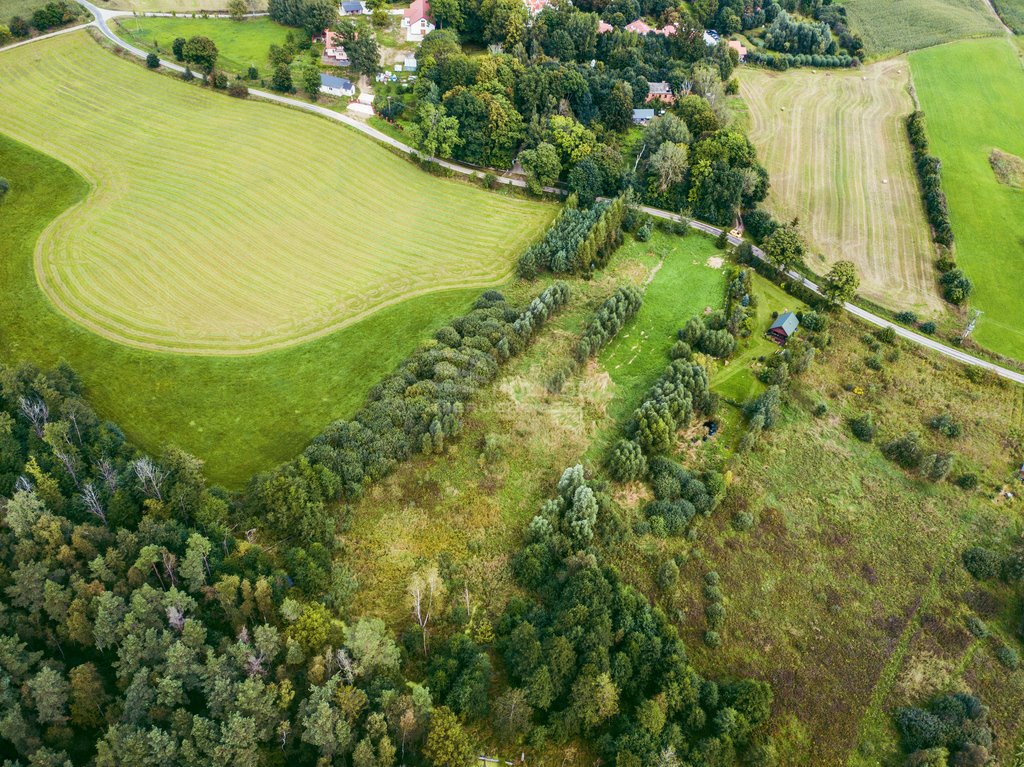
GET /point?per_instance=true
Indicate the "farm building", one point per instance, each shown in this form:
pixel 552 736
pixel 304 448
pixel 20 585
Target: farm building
pixel 739 47
pixel 783 327
pixel 642 116
pixel 336 86
pixel 661 91
pixel 353 8
pixel 417 21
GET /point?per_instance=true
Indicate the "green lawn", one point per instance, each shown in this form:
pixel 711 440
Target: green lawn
pixel 972 94
pixel 684 285
pixel 896 26
pixel 240 414
pixel 221 226
pixel 241 44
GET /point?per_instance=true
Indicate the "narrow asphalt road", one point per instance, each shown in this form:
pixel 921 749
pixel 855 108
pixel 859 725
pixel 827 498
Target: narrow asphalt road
pixel 103 16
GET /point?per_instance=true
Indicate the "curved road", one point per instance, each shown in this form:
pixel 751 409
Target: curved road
pixel 103 16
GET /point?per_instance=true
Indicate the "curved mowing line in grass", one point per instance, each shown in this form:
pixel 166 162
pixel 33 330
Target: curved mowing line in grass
pixel 221 227
pixel 239 414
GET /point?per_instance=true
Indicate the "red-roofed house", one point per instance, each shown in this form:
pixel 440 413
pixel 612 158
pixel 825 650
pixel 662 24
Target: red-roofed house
pixel 604 26
pixel 417 21
pixel 737 46
pixel 639 26
pixel 660 92
pixel 668 30
pixel 334 53
pixel 536 6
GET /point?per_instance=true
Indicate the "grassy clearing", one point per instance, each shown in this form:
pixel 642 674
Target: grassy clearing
pixel 897 26
pixel 240 414
pixel 23 8
pixel 851 574
pixel 972 94
pixel 1012 14
pixel 202 236
pixel 684 284
pixel 241 44
pixel 835 146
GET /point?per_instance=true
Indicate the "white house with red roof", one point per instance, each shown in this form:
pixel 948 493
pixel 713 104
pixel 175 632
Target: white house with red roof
pixel 417 21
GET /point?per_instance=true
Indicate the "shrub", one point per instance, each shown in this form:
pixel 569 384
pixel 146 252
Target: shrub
pixel 220 81
pixel 712 638
pixel 956 286
pixel 967 481
pixel 668 575
pixel 253 73
pixel 722 241
pixel 714 613
pixel 813 321
pixel 490 179
pixel 627 461
pixel 905 450
pixel 936 466
pixel 820 409
pixel 152 61
pixel 759 224
pixel 18 27
pixel 874 362
pixel 906 317
pixel 1008 657
pixel 712 592
pixel 282 79
pixel 238 89
pixel 918 728
pixel 946 426
pixel 680 351
pixel 977 627
pixel 863 427
pixel 643 233
pixel 742 521
pixel 981 563
pixel 927 327
pixel 178 48
pixel 886 335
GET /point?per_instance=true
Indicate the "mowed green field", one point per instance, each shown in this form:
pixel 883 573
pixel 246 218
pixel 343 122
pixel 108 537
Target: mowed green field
pixel 897 26
pixel 972 94
pixel 176 6
pixel 241 44
pixel 239 414
pixel 218 226
pixel 835 146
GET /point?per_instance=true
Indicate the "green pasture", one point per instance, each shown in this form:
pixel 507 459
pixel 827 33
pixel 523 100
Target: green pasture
pixel 682 286
pixel 220 226
pixel 239 414
pixel 897 26
pixel 972 94
pixel 241 44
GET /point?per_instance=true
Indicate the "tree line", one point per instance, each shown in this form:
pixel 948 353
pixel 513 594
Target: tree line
pixel 52 15
pixel 580 239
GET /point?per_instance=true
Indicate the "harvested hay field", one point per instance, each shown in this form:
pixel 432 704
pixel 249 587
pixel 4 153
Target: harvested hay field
pixel 898 26
pixel 217 226
pixel 834 144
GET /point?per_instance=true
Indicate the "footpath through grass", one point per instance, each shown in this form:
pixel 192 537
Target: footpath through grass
pixel 897 26
pixel 239 414
pixel 240 44
pixel 972 94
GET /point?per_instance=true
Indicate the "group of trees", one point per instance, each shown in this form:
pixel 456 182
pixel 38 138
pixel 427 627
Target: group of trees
pixel 314 16
pixel 589 657
pixel 53 14
pixel 581 239
pixel 414 410
pixel 788 35
pixel 928 172
pixel 608 320
pixel 142 627
pixel 951 730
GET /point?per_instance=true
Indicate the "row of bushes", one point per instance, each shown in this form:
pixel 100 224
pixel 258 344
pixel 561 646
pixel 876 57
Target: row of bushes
pixel 414 410
pixel 928 172
pixel 613 314
pixel 579 240
pixel 50 16
pixel 784 61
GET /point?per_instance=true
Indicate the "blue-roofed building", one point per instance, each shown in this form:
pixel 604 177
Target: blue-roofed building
pixel 352 7
pixel 336 86
pixel 642 116
pixel 783 327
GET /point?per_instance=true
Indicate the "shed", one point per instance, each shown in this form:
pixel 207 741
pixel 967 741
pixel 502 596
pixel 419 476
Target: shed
pixel 642 116
pixel 783 327
pixel 352 7
pixel 336 86
pixel 410 64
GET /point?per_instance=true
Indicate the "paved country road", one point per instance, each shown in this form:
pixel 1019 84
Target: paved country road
pixel 103 16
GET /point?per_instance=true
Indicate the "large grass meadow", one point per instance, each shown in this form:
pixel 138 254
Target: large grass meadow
pixel 240 44
pixel 218 226
pixel 239 413
pixel 897 26
pixel 835 146
pixel 972 94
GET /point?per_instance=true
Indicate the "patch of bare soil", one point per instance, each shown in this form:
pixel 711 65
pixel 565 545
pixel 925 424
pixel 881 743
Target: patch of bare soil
pixel 1009 168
